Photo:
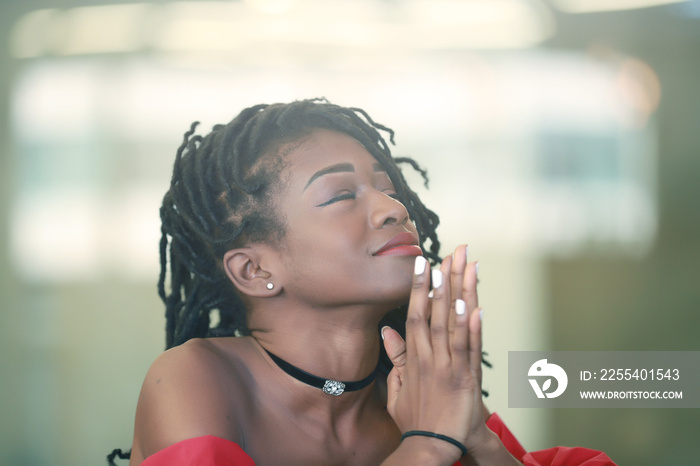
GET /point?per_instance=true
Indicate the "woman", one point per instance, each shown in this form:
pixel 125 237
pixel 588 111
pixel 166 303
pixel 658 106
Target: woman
pixel 293 228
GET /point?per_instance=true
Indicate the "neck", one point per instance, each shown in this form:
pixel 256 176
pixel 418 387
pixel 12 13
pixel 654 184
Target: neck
pixel 339 344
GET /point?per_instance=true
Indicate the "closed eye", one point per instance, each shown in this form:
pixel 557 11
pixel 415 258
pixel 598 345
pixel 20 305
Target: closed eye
pixel 391 192
pixel 341 197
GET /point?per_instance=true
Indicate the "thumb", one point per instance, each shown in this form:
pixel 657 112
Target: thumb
pixel 393 385
pixel 396 350
pixel 395 347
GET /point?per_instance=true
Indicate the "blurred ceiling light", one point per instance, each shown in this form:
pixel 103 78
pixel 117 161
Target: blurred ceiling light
pixel 590 6
pixel 274 7
pixel 234 26
pixel 478 23
pixel 81 30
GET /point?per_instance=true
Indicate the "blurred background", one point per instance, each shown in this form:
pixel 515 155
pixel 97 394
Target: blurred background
pixel 562 138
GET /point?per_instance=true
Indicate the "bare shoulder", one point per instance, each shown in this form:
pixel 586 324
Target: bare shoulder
pixel 195 389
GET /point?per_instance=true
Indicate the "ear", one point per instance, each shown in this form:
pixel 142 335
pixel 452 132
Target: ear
pixel 243 268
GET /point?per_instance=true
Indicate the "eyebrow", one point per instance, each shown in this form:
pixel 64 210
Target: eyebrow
pixel 339 168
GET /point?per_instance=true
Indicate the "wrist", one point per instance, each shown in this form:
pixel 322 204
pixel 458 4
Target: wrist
pixel 432 450
pixel 444 438
pixel 489 450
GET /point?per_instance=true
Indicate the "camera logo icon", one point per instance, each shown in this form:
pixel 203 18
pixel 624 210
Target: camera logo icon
pixel 541 369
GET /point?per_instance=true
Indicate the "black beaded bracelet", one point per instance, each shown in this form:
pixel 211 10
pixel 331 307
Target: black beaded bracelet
pixel 425 433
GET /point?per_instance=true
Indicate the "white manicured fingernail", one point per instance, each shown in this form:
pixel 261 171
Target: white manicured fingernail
pixel 460 307
pixel 481 314
pixel 430 294
pixel 419 267
pixel 437 279
pixel 466 255
pixel 382 332
pixel 476 266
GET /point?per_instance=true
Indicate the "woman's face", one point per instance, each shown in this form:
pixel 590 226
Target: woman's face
pixel 348 239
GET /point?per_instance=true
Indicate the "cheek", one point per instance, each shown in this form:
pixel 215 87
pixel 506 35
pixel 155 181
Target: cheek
pixel 327 253
pixel 334 236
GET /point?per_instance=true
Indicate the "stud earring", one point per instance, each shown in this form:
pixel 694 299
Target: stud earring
pixel 270 286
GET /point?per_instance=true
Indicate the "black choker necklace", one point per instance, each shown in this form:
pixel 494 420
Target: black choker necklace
pixel 331 387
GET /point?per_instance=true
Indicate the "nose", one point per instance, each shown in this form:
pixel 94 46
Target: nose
pixel 385 210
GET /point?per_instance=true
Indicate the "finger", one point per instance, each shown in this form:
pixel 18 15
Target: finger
pixel 475 346
pixel 459 264
pixel 417 329
pixel 440 311
pixel 395 347
pixel 469 291
pixel 460 338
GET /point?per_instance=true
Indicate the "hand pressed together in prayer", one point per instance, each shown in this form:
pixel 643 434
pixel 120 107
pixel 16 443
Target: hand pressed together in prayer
pixel 435 385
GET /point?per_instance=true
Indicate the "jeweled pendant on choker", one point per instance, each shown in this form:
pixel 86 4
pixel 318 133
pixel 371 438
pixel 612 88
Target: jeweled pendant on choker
pixel 329 386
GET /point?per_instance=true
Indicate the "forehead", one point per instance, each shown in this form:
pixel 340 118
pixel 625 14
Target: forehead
pixel 323 148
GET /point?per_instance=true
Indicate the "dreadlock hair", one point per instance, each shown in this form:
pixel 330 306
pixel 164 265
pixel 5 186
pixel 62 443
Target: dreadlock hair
pixel 221 195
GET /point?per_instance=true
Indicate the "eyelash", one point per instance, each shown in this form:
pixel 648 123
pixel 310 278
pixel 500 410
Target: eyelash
pixel 351 196
pixel 342 197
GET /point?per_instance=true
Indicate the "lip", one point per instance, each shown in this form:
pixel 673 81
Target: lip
pixel 403 244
